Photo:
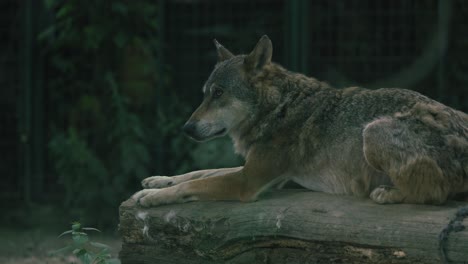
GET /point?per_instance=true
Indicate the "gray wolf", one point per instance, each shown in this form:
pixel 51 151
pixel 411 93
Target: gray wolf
pixel 392 145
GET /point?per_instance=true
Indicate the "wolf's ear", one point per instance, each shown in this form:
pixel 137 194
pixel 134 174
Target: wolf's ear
pixel 261 54
pixel 223 53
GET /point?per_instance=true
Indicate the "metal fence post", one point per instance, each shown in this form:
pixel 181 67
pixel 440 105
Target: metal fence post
pixel 30 104
pixel 160 82
pixel 297 39
pixel 24 105
pixel 444 14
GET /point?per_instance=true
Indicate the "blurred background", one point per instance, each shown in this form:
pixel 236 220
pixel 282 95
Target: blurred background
pixel 93 93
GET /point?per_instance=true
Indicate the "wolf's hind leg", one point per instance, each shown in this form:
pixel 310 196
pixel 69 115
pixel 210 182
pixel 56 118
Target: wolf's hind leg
pixel 390 146
pixel 158 182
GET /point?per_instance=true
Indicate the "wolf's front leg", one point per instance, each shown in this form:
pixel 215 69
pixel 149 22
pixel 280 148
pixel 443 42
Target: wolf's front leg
pixel 225 187
pixel 261 170
pixel 244 184
pixel 159 182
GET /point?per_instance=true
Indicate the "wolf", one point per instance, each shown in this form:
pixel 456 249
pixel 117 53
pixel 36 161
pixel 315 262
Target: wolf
pixel 392 145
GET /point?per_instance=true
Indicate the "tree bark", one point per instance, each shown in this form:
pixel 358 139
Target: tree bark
pixel 289 227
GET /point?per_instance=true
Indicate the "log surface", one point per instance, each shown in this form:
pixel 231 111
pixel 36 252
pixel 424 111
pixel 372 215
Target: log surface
pixel 289 227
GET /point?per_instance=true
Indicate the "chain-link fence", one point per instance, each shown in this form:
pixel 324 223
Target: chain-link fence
pixel 420 45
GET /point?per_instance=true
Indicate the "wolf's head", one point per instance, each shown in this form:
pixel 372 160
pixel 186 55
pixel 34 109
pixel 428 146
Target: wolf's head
pixel 229 100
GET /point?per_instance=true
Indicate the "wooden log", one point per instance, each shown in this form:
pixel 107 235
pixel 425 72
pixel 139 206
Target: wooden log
pixel 289 227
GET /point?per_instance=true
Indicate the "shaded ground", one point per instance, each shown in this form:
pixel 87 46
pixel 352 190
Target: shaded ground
pixel 29 233
pixel 20 246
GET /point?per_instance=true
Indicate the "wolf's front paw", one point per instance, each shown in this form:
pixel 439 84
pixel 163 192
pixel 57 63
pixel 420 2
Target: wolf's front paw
pixel 150 197
pixel 157 182
pixel 386 195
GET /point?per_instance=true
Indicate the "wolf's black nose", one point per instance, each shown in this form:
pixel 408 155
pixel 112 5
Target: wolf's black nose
pixel 189 128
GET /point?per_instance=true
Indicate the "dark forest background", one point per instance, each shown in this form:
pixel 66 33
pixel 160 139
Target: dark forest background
pixel 93 93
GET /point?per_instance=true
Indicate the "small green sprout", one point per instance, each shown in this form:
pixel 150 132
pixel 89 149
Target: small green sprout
pixel 88 252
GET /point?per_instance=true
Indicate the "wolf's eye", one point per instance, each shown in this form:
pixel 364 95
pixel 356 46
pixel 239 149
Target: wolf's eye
pixel 217 93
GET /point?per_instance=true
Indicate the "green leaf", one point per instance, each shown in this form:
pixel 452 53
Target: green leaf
pixel 47 33
pixel 76 226
pixel 103 255
pixel 86 258
pixel 66 232
pixel 50 3
pixel 120 39
pixel 61 63
pixel 80 239
pixel 91 229
pixel 60 251
pixel 64 11
pixel 99 245
pixel 119 8
pixel 93 36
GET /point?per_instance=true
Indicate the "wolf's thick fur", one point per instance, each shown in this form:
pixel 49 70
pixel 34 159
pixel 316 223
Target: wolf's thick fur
pixel 394 145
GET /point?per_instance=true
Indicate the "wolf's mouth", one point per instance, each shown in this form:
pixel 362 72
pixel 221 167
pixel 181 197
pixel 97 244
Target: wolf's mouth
pixel 220 132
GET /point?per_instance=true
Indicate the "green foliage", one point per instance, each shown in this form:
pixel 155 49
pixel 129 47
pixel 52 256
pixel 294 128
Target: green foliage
pixel 75 162
pixel 98 144
pixel 87 251
pixel 218 153
pixel 113 118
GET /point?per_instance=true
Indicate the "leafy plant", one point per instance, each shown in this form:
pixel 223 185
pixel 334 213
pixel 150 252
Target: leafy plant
pixel 113 119
pixel 102 65
pixel 87 251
